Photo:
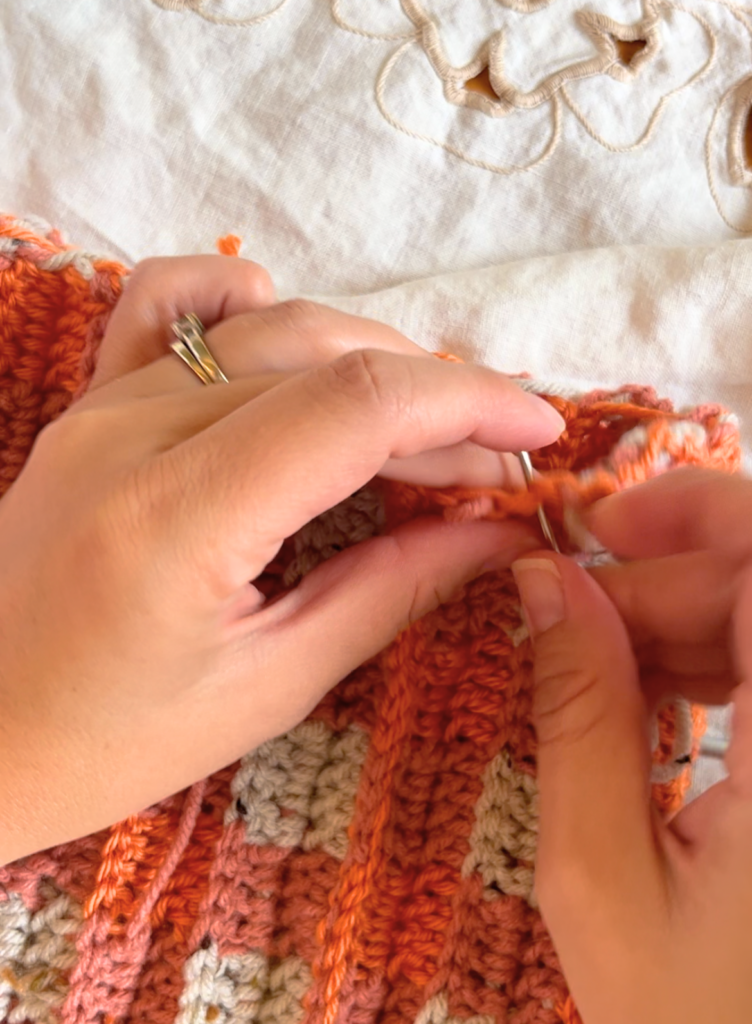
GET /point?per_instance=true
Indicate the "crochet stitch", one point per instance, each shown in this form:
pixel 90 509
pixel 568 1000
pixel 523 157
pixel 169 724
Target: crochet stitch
pixel 376 863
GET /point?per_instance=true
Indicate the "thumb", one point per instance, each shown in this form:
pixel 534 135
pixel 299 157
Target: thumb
pixel 350 607
pixel 593 759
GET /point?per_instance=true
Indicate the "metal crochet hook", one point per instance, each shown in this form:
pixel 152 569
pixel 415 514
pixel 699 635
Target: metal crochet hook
pixel 527 471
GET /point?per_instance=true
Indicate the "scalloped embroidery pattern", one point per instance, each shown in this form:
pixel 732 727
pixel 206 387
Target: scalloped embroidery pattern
pixel 617 71
pixel 740 172
pixel 339 19
pixel 204 10
pixel 604 33
pixel 739 95
pixel 526 6
pixel 501 169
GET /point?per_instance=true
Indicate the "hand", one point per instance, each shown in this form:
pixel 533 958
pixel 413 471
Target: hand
pixel 136 656
pixel 652 920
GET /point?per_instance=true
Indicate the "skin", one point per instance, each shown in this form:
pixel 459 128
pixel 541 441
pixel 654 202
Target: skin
pixel 137 656
pixel 651 919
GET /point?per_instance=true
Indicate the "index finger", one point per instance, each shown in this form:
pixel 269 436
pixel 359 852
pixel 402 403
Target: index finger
pixel 307 444
pixel 688 509
pixel 676 599
pixel 702 511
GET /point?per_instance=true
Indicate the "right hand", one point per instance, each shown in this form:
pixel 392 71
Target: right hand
pixel 652 920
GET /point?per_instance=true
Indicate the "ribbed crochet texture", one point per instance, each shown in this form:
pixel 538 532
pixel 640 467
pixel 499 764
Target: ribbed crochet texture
pixel 376 863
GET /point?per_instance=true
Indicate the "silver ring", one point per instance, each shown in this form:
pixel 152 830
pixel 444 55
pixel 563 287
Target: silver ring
pixel 190 345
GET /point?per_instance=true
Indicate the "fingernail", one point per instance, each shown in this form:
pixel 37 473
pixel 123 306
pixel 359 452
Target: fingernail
pixel 541 592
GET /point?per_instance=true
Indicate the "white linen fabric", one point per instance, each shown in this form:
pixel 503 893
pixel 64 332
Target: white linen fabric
pixel 337 137
pixel 595 245
pixel 676 319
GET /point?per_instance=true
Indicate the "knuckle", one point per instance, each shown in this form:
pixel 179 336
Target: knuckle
pixel 254 279
pixel 301 316
pixel 64 443
pixel 419 595
pixel 149 279
pixel 257 283
pixel 145 271
pixel 568 703
pixel 426 597
pixel 368 377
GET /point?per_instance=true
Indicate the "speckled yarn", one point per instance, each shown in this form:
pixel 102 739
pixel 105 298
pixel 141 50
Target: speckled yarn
pixel 376 864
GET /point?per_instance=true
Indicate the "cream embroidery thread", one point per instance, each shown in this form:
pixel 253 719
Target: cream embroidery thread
pixel 740 175
pixel 339 19
pixel 656 115
pixel 600 29
pixel 738 169
pixel 603 31
pixel 502 169
pixel 200 8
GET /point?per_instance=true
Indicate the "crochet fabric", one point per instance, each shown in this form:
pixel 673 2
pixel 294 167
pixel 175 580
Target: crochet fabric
pixel 376 863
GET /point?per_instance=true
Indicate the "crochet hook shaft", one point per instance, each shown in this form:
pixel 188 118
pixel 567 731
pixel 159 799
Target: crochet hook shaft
pixel 527 471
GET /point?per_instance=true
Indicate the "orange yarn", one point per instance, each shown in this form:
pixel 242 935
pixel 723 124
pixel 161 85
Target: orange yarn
pixel 229 245
pixel 568 1012
pixel 51 323
pixel 407 888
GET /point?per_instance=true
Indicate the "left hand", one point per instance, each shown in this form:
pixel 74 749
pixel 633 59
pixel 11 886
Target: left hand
pixel 135 655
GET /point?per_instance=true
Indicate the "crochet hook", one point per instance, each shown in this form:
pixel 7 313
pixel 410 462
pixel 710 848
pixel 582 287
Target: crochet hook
pixel 528 473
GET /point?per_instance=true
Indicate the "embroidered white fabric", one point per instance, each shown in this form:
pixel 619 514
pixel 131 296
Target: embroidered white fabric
pixel 338 137
pixel 584 221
